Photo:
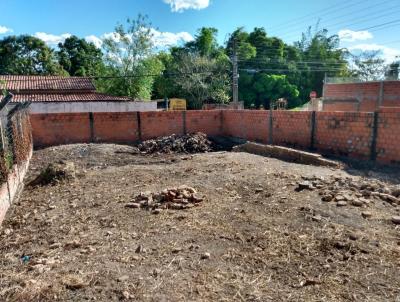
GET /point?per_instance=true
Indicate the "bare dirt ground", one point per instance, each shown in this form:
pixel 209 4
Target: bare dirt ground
pixel 253 238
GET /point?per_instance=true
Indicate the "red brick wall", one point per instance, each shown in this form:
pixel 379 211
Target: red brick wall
pixel 292 129
pixel 388 140
pixel 340 133
pixel 344 133
pixel 367 93
pixel 252 125
pixel 60 128
pixel 340 106
pixel 162 123
pixel 210 123
pixel 115 127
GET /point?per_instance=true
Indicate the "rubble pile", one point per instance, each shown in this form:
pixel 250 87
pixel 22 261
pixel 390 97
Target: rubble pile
pixel 183 197
pixel 189 143
pixel 348 191
pixel 53 173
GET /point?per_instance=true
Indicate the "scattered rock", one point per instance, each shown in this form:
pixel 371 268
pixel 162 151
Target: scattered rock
pixel 205 256
pixel 305 185
pixel 341 203
pixel 123 278
pixel 357 203
pixel 139 249
pixel 366 214
pixel 133 205
pixel 396 220
pixel 183 197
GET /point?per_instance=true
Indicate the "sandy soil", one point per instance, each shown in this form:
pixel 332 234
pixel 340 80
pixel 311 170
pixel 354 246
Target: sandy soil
pixel 253 238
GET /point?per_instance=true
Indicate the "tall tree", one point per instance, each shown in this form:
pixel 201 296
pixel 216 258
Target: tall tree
pixel 369 66
pixel 80 58
pixel 130 60
pixel 27 55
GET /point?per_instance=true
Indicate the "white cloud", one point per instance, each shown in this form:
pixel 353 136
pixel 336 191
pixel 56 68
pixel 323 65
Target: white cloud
pixel 160 39
pixel 4 30
pixel 95 40
pixel 181 5
pixel 164 39
pixel 348 35
pixel 388 53
pixel 52 39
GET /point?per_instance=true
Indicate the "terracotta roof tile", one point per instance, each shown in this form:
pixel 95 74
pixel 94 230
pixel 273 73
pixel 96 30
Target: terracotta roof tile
pixel 69 97
pixel 17 83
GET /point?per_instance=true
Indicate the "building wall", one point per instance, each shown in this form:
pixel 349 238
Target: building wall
pixel 349 134
pixel 371 95
pixel 78 107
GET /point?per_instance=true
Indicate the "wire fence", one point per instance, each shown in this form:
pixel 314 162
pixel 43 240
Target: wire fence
pixel 15 136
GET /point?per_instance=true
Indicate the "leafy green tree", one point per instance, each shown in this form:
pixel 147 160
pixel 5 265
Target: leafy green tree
pixel 198 71
pixel 130 61
pixel 261 88
pixel 80 58
pixel 27 55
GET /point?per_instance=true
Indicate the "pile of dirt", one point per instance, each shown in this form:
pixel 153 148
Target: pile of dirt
pixel 189 143
pixel 53 173
pixel 183 197
pixel 355 192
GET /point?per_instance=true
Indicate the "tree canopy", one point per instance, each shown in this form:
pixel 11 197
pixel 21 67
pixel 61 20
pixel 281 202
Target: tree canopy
pixel 80 58
pixel 129 64
pixel 27 55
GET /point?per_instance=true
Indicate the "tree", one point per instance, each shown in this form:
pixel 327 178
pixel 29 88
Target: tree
pixel 198 71
pixel 369 66
pixel 27 55
pixel 80 58
pixel 260 89
pixel 130 61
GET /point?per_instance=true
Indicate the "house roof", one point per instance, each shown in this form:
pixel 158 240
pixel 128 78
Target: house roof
pixel 69 97
pixel 31 84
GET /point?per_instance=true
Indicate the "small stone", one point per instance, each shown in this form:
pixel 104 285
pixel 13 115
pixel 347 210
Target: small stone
pixel 55 245
pixel 327 197
pixel 341 203
pixel 339 198
pixel 126 295
pixel 132 205
pixel 354 236
pixel 176 250
pixel 156 211
pixel 357 203
pixel 396 220
pixel 317 218
pixel 205 256
pixel 259 190
pixel 7 232
pixel 123 278
pixel 305 185
pixel 366 214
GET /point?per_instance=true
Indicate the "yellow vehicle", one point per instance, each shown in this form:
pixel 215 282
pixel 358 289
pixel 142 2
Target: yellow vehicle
pixel 177 104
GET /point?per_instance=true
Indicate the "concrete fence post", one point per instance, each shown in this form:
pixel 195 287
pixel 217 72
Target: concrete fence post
pixel 374 134
pixel 313 130
pixel 91 125
pixel 271 125
pixel 184 122
pixel 139 125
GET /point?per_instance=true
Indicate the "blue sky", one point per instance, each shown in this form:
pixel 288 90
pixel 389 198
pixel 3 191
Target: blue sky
pixel 360 23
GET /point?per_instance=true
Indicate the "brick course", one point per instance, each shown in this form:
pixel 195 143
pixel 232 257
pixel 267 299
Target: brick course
pixel 339 133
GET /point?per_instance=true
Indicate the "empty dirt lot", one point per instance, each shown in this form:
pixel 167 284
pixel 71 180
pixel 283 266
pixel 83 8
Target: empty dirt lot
pixel 257 236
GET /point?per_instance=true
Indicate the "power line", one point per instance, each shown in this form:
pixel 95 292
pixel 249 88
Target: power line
pixel 291 32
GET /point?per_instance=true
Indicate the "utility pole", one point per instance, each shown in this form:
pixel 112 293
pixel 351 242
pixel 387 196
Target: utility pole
pixel 235 74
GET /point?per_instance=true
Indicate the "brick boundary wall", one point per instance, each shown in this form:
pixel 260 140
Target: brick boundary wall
pixel 361 135
pixel 370 96
pixel 13 186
